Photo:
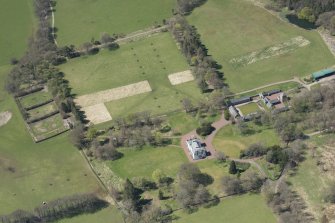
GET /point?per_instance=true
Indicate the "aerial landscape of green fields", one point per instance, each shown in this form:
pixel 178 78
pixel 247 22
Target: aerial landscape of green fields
pixel 156 111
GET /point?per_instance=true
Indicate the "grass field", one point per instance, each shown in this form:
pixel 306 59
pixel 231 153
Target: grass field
pixel 35 98
pixel 151 59
pixel 249 208
pixel 247 28
pixel 43 171
pixel 249 108
pixel 113 16
pixel 143 162
pixel 309 181
pixel 107 215
pixel 15 28
pixel 231 142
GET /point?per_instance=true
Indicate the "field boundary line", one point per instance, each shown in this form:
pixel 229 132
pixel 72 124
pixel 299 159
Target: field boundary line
pixel 102 184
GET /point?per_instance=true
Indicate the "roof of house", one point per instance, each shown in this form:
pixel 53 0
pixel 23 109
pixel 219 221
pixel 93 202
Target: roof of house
pixel 197 148
pixel 274 101
pixel 240 100
pixel 274 91
pixel 323 73
pixel 233 111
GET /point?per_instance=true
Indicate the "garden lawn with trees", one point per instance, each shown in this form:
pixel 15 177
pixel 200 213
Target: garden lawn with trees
pixel 15 29
pixel 151 59
pixel 245 208
pixel 113 17
pixel 231 142
pixel 231 29
pixel 143 162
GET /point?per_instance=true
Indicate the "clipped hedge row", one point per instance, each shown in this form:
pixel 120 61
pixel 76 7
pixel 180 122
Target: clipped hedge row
pixel 43 117
pixel 38 105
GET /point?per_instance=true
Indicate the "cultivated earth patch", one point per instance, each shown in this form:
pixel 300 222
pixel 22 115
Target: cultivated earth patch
pixel 5 117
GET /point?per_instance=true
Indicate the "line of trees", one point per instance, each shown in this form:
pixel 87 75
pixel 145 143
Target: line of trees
pixel 288 205
pixel 191 190
pixel 185 7
pixel 248 182
pixel 205 68
pixel 65 207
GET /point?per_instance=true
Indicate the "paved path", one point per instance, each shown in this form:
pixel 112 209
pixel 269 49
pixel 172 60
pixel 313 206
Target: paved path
pixel 208 140
pixel 272 84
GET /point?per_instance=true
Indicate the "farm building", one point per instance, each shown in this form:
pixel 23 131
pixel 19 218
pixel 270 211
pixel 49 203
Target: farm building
pixel 272 98
pixel 196 149
pixel 240 100
pixel 269 93
pixel 234 112
pixel 323 73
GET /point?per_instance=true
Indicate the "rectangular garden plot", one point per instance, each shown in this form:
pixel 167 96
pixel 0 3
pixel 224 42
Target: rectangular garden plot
pixel 35 98
pixel 249 108
pixel 42 111
pixel 48 127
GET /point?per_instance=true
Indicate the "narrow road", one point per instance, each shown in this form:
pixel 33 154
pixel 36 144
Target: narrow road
pixel 130 37
pixel 272 84
pixel 140 34
pixel 53 23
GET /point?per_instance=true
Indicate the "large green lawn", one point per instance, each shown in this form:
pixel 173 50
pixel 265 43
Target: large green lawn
pixel 151 59
pixel 231 142
pixel 233 28
pixel 17 24
pixel 78 21
pixel 31 173
pixel 247 208
pixel 107 215
pixel 143 162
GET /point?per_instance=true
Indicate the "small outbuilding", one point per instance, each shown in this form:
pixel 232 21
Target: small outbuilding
pixel 238 101
pixel 323 73
pixel 233 112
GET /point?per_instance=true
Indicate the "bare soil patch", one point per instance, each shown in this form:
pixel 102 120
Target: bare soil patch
pixel 97 113
pixel 268 52
pixel 113 94
pixel 5 117
pixel 181 77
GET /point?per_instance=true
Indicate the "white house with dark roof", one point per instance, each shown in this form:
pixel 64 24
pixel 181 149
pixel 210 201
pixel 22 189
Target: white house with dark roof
pixel 196 149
